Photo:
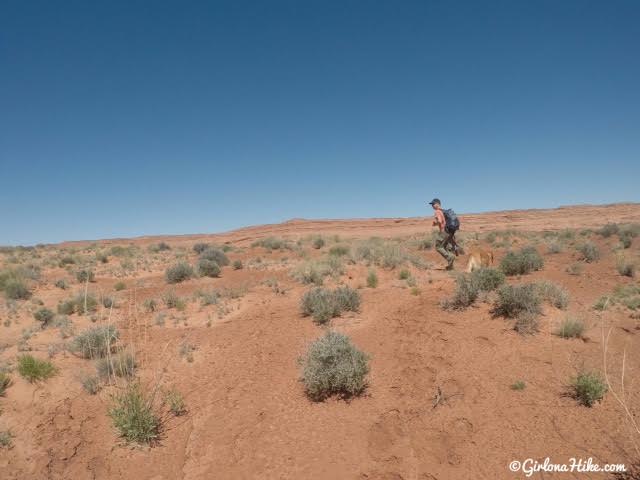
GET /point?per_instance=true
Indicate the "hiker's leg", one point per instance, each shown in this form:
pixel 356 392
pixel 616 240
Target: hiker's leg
pixel 441 248
pixel 456 248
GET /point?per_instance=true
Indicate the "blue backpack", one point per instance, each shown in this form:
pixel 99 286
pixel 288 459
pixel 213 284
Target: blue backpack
pixel 452 224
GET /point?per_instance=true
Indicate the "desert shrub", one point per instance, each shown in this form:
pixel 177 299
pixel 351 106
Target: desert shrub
pixel 272 243
pixel 524 261
pixel 119 286
pixel 44 316
pixel 237 265
pixel 133 414
pixel 186 351
pixel 208 268
pixel 81 304
pixel 339 250
pixel 602 303
pixel 61 284
pixel 86 304
pixel 589 252
pixel 552 293
pixel 313 271
pixel 95 342
pixel 627 295
pixel 519 385
pixel 91 384
pixel 588 388
pixel 425 243
pixel 64 324
pixel 630 229
pixel 608 230
pixel 215 255
pixel 513 300
pixel 208 298
pixel 16 289
pixel 554 247
pixel 67 307
pixel 108 302
pixel 570 328
pixel 347 299
pixel 318 242
pixel 372 279
pixel 487 279
pixel 465 294
pixel 575 269
pixel 102 257
pixel 172 300
pixel 159 247
pixel 66 260
pixel 625 267
pixel 150 305
pixel 85 275
pixel 469 286
pixel 625 240
pixel 334 366
pixel 5 382
pixel 179 273
pixel 6 439
pixel 392 255
pixel 404 274
pixel 33 369
pixel 121 365
pixel 175 401
pixel 526 323
pixel 376 251
pixel 320 304
pixel 200 247
pixel 120 251
pixel 323 304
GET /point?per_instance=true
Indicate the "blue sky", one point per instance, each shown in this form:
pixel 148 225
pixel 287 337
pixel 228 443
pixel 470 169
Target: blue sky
pixel 135 118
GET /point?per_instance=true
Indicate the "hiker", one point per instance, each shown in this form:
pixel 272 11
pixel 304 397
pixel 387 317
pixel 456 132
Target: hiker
pixel 447 223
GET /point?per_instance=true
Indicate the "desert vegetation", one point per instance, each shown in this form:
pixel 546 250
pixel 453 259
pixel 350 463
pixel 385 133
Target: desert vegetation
pixel 145 334
pixel 334 366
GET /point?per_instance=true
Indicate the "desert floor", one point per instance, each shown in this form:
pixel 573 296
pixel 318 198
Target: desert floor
pixel 439 402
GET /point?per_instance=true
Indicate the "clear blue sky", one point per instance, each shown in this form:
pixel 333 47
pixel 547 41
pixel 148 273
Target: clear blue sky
pixel 148 117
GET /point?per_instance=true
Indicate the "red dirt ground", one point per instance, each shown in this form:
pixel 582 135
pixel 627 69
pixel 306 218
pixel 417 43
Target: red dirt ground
pixel 248 416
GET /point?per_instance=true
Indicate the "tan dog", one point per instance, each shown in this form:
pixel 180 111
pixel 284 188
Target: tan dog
pixel 479 258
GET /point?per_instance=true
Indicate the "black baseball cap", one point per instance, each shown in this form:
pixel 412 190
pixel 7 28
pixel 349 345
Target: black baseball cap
pixel 435 200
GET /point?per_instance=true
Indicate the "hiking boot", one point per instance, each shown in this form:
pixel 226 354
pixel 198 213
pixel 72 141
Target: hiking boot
pixel 450 265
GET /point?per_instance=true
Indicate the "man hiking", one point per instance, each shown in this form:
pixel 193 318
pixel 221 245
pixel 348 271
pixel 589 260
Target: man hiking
pixel 447 223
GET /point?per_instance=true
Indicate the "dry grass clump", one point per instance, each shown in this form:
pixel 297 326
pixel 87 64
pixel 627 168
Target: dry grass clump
pixel 469 286
pixel 552 293
pixel 179 273
pixel 589 252
pixel 123 364
pixel 33 369
pixel 134 414
pixel 273 243
pixel 625 267
pixel 315 271
pixel 323 304
pixel 521 262
pixel 95 342
pixel 570 328
pixel 512 300
pixel 334 366
pixel 589 388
